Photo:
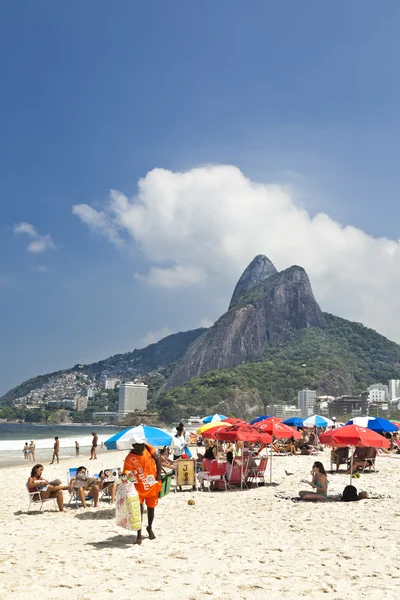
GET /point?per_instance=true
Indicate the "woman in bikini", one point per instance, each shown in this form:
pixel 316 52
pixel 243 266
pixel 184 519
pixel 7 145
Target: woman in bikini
pixel 36 483
pixel 319 483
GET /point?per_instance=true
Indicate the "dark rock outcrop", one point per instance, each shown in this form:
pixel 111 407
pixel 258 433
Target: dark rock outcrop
pixel 267 314
pixel 260 269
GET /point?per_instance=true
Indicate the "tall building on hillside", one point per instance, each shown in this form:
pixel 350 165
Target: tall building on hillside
pixel 305 401
pixel 81 402
pixel 394 389
pixel 132 396
pixel 283 411
pixel 110 383
pixel 349 406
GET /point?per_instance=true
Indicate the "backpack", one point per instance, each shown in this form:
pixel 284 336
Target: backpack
pixel 350 494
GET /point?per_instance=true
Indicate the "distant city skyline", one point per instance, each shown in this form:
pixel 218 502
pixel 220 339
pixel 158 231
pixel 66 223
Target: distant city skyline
pixel 149 152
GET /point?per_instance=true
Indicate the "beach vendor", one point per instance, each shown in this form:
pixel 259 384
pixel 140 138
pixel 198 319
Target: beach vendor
pixel 144 465
pixel 179 442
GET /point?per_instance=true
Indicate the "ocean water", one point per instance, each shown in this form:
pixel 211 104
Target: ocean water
pixel 14 435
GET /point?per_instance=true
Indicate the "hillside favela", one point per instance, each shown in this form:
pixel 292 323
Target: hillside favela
pixel 199 300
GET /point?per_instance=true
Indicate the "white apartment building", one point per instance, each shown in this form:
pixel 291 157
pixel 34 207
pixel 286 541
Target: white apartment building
pixel 305 401
pixel 394 389
pixel 378 392
pixel 132 396
pixel 283 411
pixel 110 383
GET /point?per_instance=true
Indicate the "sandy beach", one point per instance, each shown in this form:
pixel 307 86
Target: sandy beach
pixel 228 545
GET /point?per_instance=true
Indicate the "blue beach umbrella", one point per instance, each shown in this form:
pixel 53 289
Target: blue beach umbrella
pixel 153 436
pixel 294 422
pixel 374 423
pixel 259 419
pixel 213 418
pixel 317 421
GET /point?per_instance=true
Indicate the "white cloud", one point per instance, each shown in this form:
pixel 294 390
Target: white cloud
pixel 152 337
pixel 39 243
pixel 206 224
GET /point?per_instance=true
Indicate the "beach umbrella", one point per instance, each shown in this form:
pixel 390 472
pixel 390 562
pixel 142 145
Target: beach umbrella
pixel 374 423
pixel 262 418
pixel 354 436
pixel 275 427
pixel 153 436
pixel 207 426
pixel 214 418
pixel 317 421
pixel 243 433
pixel 294 422
pixel 235 421
pixel 396 423
pixel 210 432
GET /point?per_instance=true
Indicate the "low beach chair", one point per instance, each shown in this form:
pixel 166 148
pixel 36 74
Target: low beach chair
pixel 105 492
pixel 255 474
pixel 36 498
pixel 238 472
pixel 74 497
pixel 216 474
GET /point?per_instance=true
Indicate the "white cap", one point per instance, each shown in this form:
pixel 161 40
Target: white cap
pixel 138 438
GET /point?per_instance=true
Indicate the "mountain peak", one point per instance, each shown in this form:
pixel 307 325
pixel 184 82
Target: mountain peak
pixel 260 269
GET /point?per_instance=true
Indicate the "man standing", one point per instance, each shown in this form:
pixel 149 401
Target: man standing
pixel 77 448
pixel 93 450
pixel 56 450
pixel 32 449
pixel 145 465
pixel 179 442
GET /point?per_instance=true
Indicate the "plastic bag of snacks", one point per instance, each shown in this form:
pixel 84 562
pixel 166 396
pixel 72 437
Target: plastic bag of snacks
pixel 127 506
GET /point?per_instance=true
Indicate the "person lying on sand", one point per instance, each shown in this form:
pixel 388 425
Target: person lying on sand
pixel 319 482
pixel 37 483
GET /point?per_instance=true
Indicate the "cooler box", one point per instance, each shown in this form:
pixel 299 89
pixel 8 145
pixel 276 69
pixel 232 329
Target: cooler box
pixel 166 479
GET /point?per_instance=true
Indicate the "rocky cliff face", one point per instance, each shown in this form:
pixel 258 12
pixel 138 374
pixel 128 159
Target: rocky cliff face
pixel 267 313
pixel 260 269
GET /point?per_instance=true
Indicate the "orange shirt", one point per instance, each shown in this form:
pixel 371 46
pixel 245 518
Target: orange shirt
pixel 145 470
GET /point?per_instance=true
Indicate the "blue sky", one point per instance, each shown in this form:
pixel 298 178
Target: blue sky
pixel 94 97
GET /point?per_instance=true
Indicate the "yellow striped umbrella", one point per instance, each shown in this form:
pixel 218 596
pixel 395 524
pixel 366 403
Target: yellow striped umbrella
pixel 210 425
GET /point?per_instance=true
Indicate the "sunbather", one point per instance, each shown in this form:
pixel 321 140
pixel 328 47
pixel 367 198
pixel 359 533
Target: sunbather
pixel 339 456
pixel 319 482
pixel 85 485
pixel 106 484
pixel 37 483
pixel 362 458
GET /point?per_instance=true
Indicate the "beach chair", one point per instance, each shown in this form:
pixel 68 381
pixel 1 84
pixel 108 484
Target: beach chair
pixel 255 474
pixel 216 475
pixel 238 472
pixel 36 498
pixel 74 497
pixel 106 492
pixel 342 457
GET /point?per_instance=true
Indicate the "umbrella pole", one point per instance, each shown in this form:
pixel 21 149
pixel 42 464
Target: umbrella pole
pixel 270 464
pixel 351 464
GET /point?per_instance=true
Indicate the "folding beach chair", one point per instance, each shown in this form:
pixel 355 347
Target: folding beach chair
pixel 217 474
pixel 238 472
pixel 74 497
pixel 254 474
pixel 36 498
pixel 106 491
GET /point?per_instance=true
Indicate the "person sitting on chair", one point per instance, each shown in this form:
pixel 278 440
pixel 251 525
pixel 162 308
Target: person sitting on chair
pixel 362 458
pixel 36 483
pixel 85 485
pixel 106 483
pixel 205 466
pixel 166 462
pixel 339 456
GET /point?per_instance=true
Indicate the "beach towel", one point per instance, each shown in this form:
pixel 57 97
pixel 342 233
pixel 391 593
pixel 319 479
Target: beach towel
pixel 127 507
pixel 330 498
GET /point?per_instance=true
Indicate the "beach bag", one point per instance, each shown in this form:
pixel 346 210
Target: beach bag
pixel 127 507
pixel 350 494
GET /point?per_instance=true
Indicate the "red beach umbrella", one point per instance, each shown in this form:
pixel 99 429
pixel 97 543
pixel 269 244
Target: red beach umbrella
pixel 276 428
pixel 354 435
pixel 243 433
pixel 235 421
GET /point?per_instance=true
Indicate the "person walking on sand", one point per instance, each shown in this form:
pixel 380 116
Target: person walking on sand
pixel 93 449
pixel 144 465
pixel 32 449
pixel 56 450
pixel 25 451
pixel 76 448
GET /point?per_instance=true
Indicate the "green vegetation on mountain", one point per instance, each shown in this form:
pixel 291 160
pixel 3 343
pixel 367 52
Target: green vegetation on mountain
pixel 343 359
